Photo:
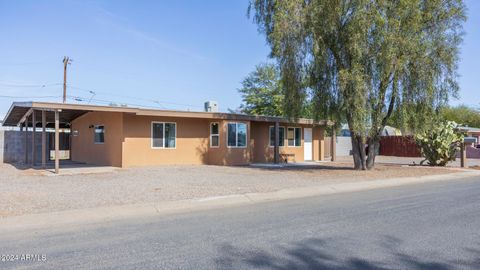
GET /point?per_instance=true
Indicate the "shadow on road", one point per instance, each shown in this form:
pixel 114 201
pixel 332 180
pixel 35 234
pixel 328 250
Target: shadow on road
pixel 316 253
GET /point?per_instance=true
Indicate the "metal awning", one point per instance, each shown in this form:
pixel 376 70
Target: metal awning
pixel 20 110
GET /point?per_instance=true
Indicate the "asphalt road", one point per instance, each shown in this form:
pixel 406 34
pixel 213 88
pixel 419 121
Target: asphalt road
pixel 423 226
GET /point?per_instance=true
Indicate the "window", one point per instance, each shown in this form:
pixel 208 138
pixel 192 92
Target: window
pixel 164 135
pixel 281 136
pixel 237 135
pixel 99 136
pixel 214 135
pixel 294 136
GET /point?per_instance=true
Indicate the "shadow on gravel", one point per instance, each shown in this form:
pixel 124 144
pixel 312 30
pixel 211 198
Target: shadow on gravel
pixel 324 254
pixel 303 167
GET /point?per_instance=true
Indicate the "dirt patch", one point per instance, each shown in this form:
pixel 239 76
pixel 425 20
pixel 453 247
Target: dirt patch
pixel 24 194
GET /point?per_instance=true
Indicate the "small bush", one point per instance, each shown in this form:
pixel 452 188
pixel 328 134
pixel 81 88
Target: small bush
pixel 440 144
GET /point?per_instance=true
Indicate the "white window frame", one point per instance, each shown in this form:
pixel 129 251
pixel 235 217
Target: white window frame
pixel 94 133
pixel 218 135
pixel 284 135
pixel 151 135
pixel 294 139
pixel 236 135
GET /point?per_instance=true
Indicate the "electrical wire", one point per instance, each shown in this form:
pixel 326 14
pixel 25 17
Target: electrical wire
pixel 131 97
pixel 28 85
pixel 110 102
pixel 4 96
pixel 93 93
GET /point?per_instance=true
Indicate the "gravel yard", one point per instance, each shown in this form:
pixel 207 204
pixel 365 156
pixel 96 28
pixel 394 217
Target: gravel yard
pixel 22 193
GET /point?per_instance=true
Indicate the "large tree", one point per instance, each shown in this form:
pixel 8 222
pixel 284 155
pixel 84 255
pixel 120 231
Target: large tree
pixel 263 94
pixel 365 60
pixel 262 91
pixel 462 114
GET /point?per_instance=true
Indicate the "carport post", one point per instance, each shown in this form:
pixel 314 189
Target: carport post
pixel 44 139
pixel 34 150
pixel 333 144
pixel 57 144
pixel 25 135
pixel 276 150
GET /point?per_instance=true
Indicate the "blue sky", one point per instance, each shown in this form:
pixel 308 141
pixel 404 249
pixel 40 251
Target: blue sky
pixel 171 55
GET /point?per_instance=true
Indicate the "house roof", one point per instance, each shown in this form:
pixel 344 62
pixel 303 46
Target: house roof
pixel 20 111
pixel 469 129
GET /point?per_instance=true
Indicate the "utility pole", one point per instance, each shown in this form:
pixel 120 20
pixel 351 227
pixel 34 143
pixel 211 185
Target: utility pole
pixel 66 61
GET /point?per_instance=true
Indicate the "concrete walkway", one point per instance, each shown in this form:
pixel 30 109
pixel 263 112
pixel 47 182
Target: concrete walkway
pixel 106 214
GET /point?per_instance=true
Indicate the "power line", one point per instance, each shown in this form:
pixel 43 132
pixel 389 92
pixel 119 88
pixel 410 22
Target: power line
pixel 136 98
pixel 29 85
pixel 4 96
pixel 109 102
pixel 94 93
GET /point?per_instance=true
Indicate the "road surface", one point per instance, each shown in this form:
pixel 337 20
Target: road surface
pixel 421 226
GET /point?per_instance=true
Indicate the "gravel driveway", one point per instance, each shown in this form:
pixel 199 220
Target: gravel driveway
pixel 23 194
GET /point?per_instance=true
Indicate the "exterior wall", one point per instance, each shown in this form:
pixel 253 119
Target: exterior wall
pixel 83 147
pixel 192 143
pixel 128 142
pixel 263 153
pixel 224 155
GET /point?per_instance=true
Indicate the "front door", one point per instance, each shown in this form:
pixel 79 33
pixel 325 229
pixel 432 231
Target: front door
pixel 307 143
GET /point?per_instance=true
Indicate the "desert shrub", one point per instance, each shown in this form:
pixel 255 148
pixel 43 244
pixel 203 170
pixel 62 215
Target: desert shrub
pixel 440 144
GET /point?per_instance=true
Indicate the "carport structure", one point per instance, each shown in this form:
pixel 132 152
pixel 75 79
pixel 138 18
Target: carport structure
pixel 35 115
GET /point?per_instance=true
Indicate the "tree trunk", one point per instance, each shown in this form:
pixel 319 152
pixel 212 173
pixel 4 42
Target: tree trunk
pixel 373 146
pixel 358 149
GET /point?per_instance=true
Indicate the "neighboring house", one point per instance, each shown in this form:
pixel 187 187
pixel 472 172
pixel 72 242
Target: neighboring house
pixel 387 131
pixel 471 132
pixel 125 137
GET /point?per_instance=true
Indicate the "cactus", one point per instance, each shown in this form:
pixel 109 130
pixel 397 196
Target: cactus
pixel 440 144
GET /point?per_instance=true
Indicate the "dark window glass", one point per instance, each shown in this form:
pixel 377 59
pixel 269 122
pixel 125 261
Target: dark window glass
pixel 214 129
pixel 298 137
pixel 232 134
pixel 272 136
pixel 170 135
pixel 291 136
pixel 281 136
pixel 99 134
pixel 215 142
pixel 242 135
pixel 214 137
pixel 157 135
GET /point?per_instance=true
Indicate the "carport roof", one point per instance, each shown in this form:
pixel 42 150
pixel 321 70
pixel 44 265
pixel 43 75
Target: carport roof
pixel 19 111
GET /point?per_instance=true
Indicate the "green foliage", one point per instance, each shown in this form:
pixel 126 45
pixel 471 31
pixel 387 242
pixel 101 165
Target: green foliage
pixel 262 92
pixel 365 60
pixel 461 114
pixel 440 144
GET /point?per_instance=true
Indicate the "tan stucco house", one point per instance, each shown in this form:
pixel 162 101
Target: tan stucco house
pixel 126 137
